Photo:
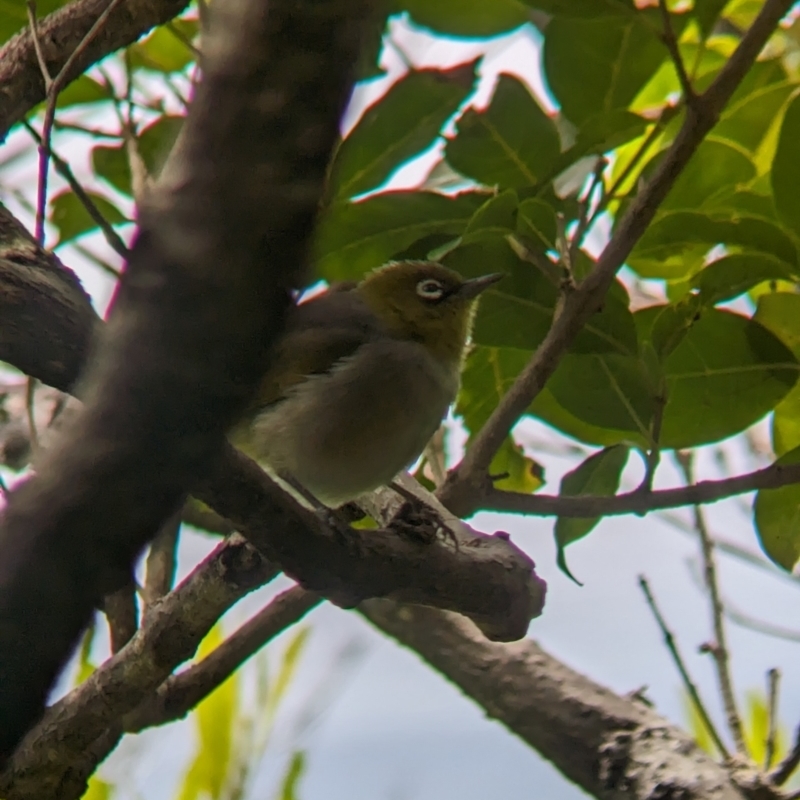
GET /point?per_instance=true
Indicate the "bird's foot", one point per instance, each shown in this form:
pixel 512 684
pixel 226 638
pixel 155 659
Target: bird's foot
pixel 420 523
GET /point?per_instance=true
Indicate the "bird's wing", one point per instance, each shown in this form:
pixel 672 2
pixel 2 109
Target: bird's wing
pixel 320 332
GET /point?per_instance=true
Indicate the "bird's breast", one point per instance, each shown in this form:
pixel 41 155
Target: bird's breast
pixel 354 428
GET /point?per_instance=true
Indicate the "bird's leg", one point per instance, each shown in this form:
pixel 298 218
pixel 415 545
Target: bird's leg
pixel 335 521
pixel 418 521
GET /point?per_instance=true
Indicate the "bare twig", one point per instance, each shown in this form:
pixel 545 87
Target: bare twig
pixel 53 87
pixel 789 764
pixel 122 615
pixel 180 693
pixel 719 650
pixel 744 620
pixel 585 209
pixel 161 560
pixel 62 168
pixel 37 45
pixel 689 685
pixel 635 502
pixel 470 476
pixel 671 42
pixel 773 682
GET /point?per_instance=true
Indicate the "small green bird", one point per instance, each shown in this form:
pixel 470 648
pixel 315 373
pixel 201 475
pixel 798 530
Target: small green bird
pixel 362 379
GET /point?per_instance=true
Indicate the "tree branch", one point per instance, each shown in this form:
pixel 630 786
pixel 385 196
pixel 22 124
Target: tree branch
pixel 187 341
pixel 47 763
pixel 468 480
pixel 60 34
pixel 612 747
pixel 771 477
pixel 180 693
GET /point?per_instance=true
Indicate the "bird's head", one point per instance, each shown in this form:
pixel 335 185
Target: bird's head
pixel 426 302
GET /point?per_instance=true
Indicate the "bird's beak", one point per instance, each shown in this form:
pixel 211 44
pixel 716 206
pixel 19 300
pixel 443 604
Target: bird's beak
pixel 474 287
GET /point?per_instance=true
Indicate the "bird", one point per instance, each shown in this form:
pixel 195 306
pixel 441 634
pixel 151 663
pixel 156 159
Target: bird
pixel 361 380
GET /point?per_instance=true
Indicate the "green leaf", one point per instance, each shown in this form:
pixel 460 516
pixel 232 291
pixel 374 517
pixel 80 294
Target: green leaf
pixel 82 90
pixel 777 519
pixel 706 13
pixel 511 144
pixel 162 50
pixel 14 15
pixel 111 163
pixel 215 717
pixel 584 8
pixel 72 219
pixel 98 789
pixel 488 373
pixel 495 218
pixel 352 238
pixel 402 123
pixel 747 120
pixel 786 423
pixel 85 665
pixel 785 174
pixel 536 220
pixel 154 144
pixel 292 777
pixel 672 323
pixel 466 17
pixel 607 391
pixel 715 166
pixel 731 276
pixel 288 668
pixel 599 474
pixel 523 474
pixel 661 251
pixel 727 373
pixel 598 64
pixel 547 408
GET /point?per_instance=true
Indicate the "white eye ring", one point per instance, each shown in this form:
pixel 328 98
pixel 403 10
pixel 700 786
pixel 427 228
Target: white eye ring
pixel 430 289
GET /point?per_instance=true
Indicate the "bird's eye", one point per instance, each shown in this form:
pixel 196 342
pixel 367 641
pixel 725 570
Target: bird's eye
pixel 429 289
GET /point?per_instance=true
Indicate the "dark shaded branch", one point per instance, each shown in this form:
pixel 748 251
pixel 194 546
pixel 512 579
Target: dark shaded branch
pixel 90 715
pixel 612 747
pixel 60 33
pixel 485 577
pixel 468 480
pixel 122 615
pixel 47 318
pixel 162 560
pixel 180 693
pixel 187 341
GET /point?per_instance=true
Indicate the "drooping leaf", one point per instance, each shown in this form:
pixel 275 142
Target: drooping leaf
pixel 706 13
pixel 399 125
pixel 511 144
pixel 495 218
pixel 353 238
pixel 288 669
pixel 777 519
pixel 785 173
pixel 673 323
pixel 599 474
pixel 72 219
pixel 536 220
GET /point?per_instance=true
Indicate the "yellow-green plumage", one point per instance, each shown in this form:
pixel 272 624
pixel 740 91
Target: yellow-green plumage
pixel 362 379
